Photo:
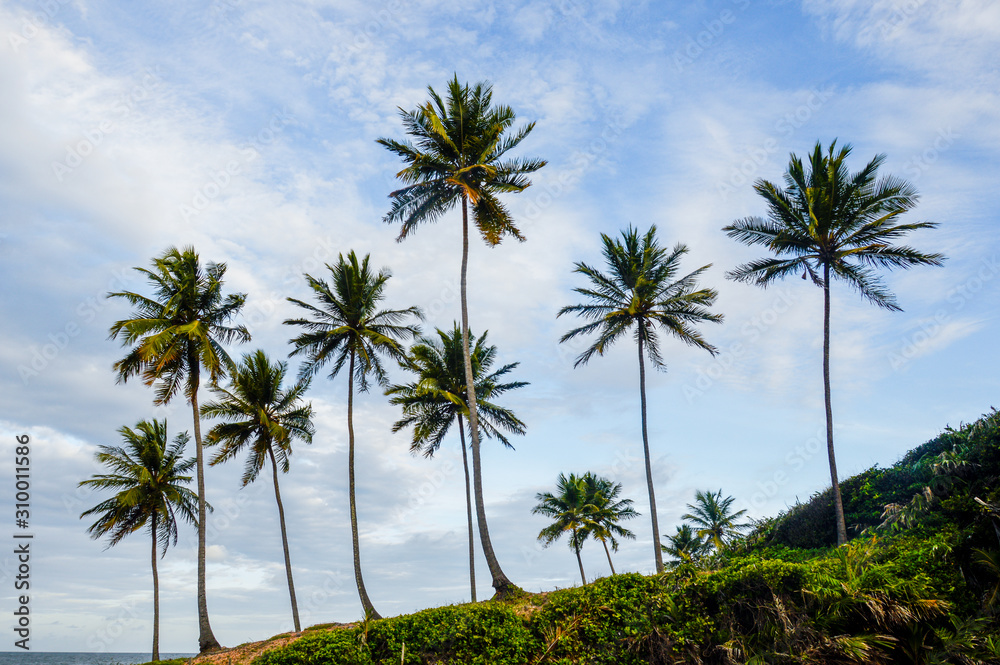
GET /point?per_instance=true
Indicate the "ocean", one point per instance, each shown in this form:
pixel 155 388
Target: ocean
pixel 77 658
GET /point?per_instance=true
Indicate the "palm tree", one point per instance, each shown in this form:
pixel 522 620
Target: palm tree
pixel 438 399
pixel 685 546
pixel 173 335
pixel 608 511
pixel 457 156
pixel 262 419
pixel 149 479
pixel 572 512
pixel 642 293
pixel 348 328
pixel 715 518
pixel 829 223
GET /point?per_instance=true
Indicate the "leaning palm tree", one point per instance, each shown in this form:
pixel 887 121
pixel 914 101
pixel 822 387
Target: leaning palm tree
pixel 609 510
pixel 457 156
pixel 642 292
pixel 149 479
pixel 438 399
pixel 571 511
pixel 685 546
pixel 262 419
pixel 830 223
pixel 348 328
pixel 174 335
pixel 714 519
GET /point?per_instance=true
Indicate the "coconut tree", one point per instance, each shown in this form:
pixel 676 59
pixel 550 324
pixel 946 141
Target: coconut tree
pixel 458 157
pixel 571 513
pixel 348 328
pixel 261 419
pixel 174 335
pixel 828 223
pixel 437 400
pixel 685 546
pixel 713 517
pixel 148 477
pixel 609 510
pixel 641 294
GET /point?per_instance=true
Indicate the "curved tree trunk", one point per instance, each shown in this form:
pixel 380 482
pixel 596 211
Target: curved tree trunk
pixel 579 559
pixel 468 507
pixel 156 599
pixel 206 639
pixel 608 552
pixel 838 503
pixel 366 603
pixel 284 543
pixel 649 469
pixel 500 582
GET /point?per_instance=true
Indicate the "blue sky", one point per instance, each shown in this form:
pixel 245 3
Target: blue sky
pixel 247 129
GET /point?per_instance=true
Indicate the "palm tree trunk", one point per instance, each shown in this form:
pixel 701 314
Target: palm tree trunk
pixel 366 603
pixel 468 508
pixel 649 468
pixel 838 503
pixel 156 598
pixel 608 552
pixel 501 584
pixel 579 559
pixel 206 639
pixel 284 543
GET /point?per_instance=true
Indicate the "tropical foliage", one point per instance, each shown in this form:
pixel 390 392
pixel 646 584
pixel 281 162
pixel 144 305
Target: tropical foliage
pixel 459 155
pixel 148 477
pixel 173 336
pixel 348 328
pixel 261 419
pixel 437 400
pixel 641 294
pixel 828 223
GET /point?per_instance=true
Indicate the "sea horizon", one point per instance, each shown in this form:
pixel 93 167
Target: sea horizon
pixel 84 657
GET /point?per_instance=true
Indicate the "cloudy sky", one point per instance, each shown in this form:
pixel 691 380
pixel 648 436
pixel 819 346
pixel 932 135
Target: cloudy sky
pixel 247 129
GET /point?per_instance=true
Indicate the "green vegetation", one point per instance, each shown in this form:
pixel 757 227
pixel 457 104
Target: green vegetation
pixel 895 594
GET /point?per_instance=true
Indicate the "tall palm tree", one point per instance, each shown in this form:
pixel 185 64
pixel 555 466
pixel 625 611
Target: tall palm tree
pixel 174 335
pixel 830 223
pixel 609 510
pixel 641 293
pixel 149 479
pixel 348 328
pixel 572 512
pixel 262 419
pixel 685 546
pixel 457 156
pixel 438 399
pixel 714 518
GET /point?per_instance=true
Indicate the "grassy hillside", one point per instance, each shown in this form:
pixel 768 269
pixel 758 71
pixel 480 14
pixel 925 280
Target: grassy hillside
pixel 918 584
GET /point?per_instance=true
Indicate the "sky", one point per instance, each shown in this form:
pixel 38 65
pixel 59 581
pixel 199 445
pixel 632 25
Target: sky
pixel 247 129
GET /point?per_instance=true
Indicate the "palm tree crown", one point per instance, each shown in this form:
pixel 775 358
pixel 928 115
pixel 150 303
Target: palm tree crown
pixel 609 510
pixel 348 328
pixel 457 155
pixel 641 293
pixel 571 511
pixel 830 223
pixel 263 419
pixel 685 546
pixel 714 518
pixel 148 477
